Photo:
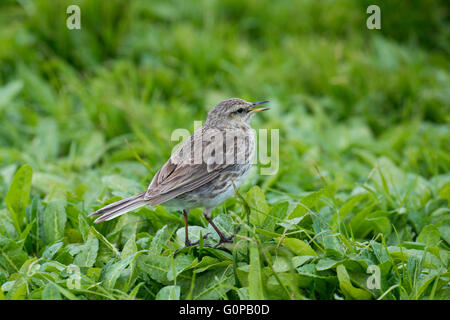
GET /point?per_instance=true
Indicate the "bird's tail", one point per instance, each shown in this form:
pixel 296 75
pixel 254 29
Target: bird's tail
pixel 120 207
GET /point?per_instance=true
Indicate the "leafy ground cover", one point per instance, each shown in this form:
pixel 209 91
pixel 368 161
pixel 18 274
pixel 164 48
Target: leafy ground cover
pixel 359 208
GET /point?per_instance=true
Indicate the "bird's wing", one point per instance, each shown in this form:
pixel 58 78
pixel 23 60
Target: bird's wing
pixel 187 169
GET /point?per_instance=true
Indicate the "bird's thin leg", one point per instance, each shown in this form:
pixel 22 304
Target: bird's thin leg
pixel 223 238
pixel 187 242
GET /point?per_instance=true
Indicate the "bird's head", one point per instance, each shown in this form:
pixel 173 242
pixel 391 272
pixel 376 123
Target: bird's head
pixel 233 111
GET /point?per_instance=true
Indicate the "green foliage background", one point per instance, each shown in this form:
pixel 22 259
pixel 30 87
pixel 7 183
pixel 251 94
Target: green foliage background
pixel 86 117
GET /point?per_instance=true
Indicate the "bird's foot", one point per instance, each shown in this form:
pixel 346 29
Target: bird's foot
pixel 189 243
pixel 224 239
pixel 195 243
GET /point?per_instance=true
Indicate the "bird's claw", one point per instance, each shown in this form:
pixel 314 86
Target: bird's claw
pixel 229 239
pixel 191 244
pixel 188 243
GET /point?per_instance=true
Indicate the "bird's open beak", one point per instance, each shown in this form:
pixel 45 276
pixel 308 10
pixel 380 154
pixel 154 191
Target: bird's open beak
pixel 254 104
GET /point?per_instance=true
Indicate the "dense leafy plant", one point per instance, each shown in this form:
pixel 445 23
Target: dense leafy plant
pixel 363 180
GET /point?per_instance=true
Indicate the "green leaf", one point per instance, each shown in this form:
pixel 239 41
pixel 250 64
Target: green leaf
pixel 255 277
pixel 169 293
pixel 88 254
pixel 46 143
pixel 276 291
pixel 9 91
pixel 69 295
pixel 429 235
pixel 11 255
pixel 444 193
pixel 159 240
pixel 297 246
pixel 103 240
pixel 259 208
pixel 129 248
pixel 51 292
pixel 83 227
pixel 347 288
pixel 277 213
pixel 18 195
pixel 50 251
pixel 18 290
pixel 210 263
pixel 113 271
pixel 92 149
pixel 306 204
pixel 348 206
pixel 213 284
pixel 181 263
pixel 157 267
pixel 54 221
pixel 326 263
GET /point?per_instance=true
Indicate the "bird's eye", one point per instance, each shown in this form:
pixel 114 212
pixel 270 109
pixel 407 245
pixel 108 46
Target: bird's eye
pixel 240 110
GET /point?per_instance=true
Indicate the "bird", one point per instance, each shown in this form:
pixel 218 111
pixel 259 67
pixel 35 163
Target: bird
pixel 204 171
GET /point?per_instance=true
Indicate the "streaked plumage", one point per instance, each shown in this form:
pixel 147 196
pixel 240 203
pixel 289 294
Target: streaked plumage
pixel 188 180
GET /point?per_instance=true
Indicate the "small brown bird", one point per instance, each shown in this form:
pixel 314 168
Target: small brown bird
pixel 205 170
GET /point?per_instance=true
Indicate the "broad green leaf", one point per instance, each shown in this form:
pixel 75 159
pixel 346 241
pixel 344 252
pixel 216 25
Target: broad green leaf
pixel 213 284
pixel 348 206
pixel 347 288
pixel 88 255
pixel 11 255
pixel 54 221
pixel 276 214
pixel 8 227
pixel 297 246
pixel 83 227
pixel 112 271
pixel 444 193
pixel 259 209
pixel 169 293
pixel 243 293
pixel 51 292
pixel 444 229
pixel 281 264
pixel 298 261
pixel 133 294
pixel 159 240
pixel 18 290
pixel 327 238
pixel 210 263
pixel 326 263
pixel 429 235
pixel 306 204
pixel 255 277
pixel 122 186
pixel 181 263
pixel 92 149
pixel 103 240
pixel 155 266
pixel 9 91
pixel 51 250
pixel 288 280
pixel 46 143
pixel 129 247
pixel 18 195
pixel 66 293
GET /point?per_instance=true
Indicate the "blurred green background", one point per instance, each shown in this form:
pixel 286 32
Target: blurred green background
pixel 92 111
